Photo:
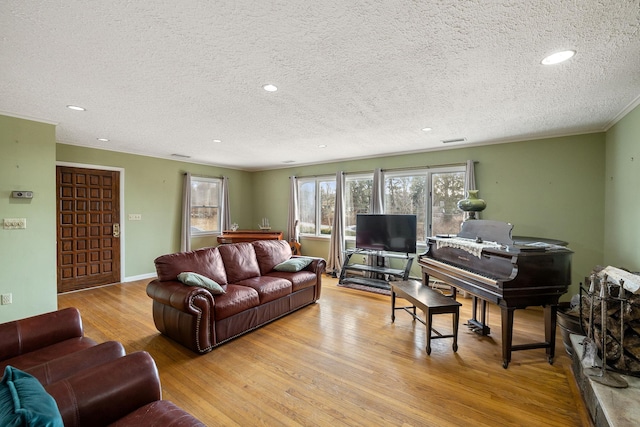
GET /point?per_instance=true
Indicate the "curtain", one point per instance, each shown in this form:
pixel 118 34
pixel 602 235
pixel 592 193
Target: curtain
pixel 336 245
pixel 292 221
pixel 225 210
pixel 377 198
pixel 470 183
pixel 377 207
pixel 185 232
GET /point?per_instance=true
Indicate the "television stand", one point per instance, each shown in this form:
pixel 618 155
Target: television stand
pixel 373 275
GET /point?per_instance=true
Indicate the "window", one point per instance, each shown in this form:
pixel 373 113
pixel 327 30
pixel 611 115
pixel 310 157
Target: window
pixel 206 199
pixel 406 194
pixel 357 200
pixel 430 194
pixel 447 187
pixel 316 202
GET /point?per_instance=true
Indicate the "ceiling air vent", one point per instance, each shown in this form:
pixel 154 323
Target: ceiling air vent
pixel 182 156
pixel 449 141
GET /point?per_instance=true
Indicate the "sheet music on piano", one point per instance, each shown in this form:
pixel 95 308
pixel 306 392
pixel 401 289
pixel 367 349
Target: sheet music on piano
pixel 540 246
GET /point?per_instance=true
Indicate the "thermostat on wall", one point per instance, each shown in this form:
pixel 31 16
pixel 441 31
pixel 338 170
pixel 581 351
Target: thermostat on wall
pixel 22 194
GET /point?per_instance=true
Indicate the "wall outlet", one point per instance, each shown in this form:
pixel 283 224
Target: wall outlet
pixel 6 299
pixel 135 217
pixel 14 223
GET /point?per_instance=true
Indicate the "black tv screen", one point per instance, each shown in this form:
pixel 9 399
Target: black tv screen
pixel 391 233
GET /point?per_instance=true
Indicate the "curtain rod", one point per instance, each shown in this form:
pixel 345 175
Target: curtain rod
pixel 428 166
pixel 204 176
pixel 393 170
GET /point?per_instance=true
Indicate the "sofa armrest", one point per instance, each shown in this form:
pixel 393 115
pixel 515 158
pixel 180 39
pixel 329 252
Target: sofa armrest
pixel 183 313
pixel 32 333
pixel 317 266
pixel 177 294
pixel 106 393
pixel 160 413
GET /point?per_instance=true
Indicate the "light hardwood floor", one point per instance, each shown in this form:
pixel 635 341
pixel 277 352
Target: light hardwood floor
pixel 342 362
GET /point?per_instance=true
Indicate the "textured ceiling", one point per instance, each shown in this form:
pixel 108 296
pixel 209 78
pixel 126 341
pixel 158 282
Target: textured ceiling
pixel 362 77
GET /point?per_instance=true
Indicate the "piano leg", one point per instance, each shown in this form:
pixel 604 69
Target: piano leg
pixel 507 335
pixel 481 326
pixel 484 315
pixel 550 313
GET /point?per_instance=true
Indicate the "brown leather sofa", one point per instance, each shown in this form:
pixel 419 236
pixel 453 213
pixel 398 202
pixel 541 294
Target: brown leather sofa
pixel 255 294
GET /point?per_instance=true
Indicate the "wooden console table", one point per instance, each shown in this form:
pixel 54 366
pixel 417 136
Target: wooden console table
pixel 229 236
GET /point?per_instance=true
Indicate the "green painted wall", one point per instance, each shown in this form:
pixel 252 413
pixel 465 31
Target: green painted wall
pixel 153 188
pixel 622 201
pixel 28 256
pixel 539 186
pixel 547 188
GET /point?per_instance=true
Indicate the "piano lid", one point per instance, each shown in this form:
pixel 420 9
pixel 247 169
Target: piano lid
pixel 491 235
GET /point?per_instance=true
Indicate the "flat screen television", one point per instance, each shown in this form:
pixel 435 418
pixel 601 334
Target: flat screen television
pixel 390 233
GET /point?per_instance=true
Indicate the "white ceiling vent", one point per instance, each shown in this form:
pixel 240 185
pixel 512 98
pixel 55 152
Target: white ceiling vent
pixel 449 141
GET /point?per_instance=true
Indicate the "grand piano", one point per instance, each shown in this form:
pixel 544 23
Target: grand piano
pixel 484 260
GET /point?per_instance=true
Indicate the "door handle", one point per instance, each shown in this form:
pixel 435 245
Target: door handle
pixel 116 230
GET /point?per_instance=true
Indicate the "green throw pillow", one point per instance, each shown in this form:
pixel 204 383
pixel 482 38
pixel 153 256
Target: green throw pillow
pixel 293 264
pixel 195 279
pixel 24 402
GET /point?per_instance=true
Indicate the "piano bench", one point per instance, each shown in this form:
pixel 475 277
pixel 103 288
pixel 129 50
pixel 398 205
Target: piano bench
pixel 431 302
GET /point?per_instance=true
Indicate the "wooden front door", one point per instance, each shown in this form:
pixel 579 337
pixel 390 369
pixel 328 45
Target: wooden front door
pixel 88 215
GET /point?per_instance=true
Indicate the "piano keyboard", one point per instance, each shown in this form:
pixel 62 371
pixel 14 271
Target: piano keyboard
pixel 465 273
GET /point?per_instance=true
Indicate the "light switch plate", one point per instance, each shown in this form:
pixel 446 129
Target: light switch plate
pixel 135 217
pixel 14 223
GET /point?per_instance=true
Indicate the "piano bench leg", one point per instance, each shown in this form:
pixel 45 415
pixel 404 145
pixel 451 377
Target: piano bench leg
pixel 429 328
pixel 456 319
pixel 455 312
pixel 393 306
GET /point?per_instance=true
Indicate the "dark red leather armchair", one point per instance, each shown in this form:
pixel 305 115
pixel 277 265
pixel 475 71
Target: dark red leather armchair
pixel 38 339
pixel 123 392
pixel 70 364
pixel 93 384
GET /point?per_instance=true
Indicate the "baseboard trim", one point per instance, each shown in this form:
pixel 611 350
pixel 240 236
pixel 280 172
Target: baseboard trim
pixel 139 277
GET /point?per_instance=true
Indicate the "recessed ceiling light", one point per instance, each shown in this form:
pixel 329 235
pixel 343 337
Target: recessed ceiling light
pixel 322 146
pixel 270 88
pixel 102 139
pixel 426 129
pixel 76 108
pixel 558 57
pixel 217 140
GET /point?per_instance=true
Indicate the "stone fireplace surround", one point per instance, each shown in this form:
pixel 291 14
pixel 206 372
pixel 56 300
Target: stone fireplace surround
pixel 608 406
